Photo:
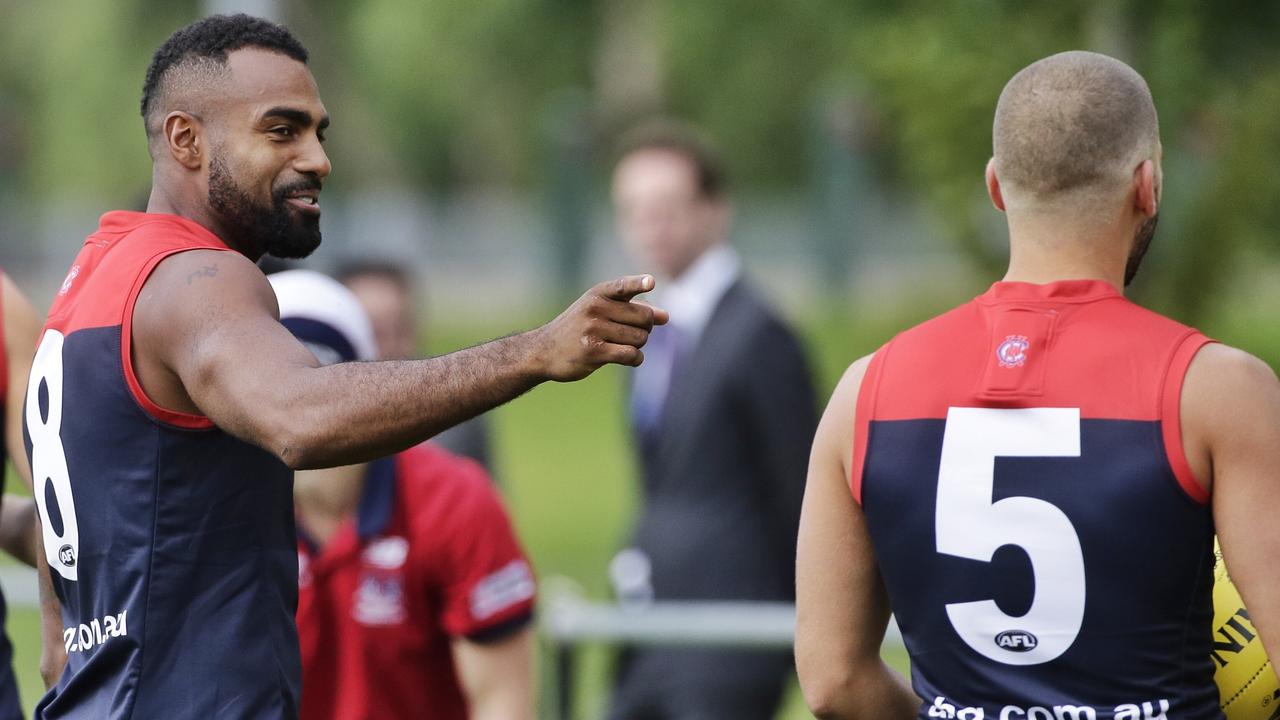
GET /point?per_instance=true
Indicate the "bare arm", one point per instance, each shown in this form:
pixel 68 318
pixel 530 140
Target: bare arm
pixel 18 525
pixel 207 340
pixel 497 678
pixel 19 529
pixel 842 608
pixel 21 331
pixel 53 654
pixel 1231 433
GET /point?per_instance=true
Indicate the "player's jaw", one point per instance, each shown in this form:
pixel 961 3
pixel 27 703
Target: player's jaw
pixel 287 225
pixel 1141 243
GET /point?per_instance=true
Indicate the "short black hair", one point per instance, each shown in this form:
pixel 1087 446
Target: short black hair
pixel 353 267
pixel 683 140
pixel 211 39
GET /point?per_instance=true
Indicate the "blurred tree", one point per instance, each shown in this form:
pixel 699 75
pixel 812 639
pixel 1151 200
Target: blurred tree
pixel 451 93
pixel 76 68
pixel 936 69
pixel 459 84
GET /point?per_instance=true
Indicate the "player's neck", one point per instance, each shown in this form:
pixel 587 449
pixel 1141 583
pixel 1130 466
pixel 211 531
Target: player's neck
pixel 1048 249
pixel 163 201
pixel 324 499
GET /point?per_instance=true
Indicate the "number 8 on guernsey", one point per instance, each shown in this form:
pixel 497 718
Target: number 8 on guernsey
pixel 48 460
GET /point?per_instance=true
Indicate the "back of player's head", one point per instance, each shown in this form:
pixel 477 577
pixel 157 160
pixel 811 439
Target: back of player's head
pixel 680 139
pixel 324 315
pixel 196 56
pixel 1070 129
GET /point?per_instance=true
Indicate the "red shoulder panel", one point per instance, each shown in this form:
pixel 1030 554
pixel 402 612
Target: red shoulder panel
pixel 96 291
pixel 1100 353
pixel 1073 344
pixel 866 410
pixel 1171 415
pixel 103 284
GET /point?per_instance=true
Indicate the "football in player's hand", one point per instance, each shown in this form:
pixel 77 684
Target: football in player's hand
pixel 1246 680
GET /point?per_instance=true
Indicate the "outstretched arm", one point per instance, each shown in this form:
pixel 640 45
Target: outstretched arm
pixel 206 339
pixel 18 526
pixel 1231 435
pixel 842 608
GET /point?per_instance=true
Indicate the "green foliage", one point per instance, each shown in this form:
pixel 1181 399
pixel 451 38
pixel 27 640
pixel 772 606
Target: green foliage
pixel 458 85
pixel 74 71
pixel 461 92
pixel 750 72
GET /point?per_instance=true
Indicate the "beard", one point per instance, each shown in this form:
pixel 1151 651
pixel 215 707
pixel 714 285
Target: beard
pixel 1141 244
pixel 275 228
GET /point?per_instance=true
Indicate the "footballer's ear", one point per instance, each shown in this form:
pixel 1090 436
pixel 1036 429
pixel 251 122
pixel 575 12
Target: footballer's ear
pixel 993 186
pixel 1146 189
pixel 184 139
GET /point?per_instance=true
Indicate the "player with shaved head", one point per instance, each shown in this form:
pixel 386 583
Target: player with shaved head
pixel 1032 481
pixel 168 406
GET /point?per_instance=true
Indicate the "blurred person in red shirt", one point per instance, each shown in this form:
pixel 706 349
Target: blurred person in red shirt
pixel 414 594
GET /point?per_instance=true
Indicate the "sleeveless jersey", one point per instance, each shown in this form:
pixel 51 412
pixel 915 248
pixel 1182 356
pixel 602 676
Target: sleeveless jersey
pixel 1046 548
pixel 170 543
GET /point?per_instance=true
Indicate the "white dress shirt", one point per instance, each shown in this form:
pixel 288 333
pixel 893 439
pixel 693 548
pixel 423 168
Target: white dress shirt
pixel 691 299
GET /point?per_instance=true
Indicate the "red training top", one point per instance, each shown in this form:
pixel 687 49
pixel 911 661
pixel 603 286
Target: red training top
pixel 431 556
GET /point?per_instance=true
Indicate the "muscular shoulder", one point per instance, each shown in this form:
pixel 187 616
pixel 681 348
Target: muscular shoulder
pixel 194 277
pixel 1227 396
pixel 21 323
pixel 835 435
pixel 1221 381
pixel 195 316
pixel 189 291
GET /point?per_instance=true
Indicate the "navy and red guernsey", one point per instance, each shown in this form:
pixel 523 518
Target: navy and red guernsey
pixel 170 542
pixel 1046 548
pixel 430 557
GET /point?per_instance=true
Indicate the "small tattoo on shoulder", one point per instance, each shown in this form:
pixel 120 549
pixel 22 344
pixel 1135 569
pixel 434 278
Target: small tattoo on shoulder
pixel 206 271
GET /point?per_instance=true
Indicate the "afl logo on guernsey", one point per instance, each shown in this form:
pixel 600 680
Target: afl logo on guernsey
pixel 67 555
pixel 1013 351
pixel 1017 641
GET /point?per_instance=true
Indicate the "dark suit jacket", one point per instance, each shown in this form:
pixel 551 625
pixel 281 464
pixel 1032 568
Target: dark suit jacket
pixel 724 477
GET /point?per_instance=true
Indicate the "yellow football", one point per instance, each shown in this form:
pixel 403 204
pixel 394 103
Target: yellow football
pixel 1246 681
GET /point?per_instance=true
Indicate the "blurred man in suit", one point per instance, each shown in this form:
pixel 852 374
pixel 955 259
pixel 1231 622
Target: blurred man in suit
pixel 723 413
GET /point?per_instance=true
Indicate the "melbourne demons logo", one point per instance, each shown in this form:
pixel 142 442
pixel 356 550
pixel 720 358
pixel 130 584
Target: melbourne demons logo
pixel 71 277
pixel 1013 351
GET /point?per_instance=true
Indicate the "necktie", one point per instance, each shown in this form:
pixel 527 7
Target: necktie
pixel 653 377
